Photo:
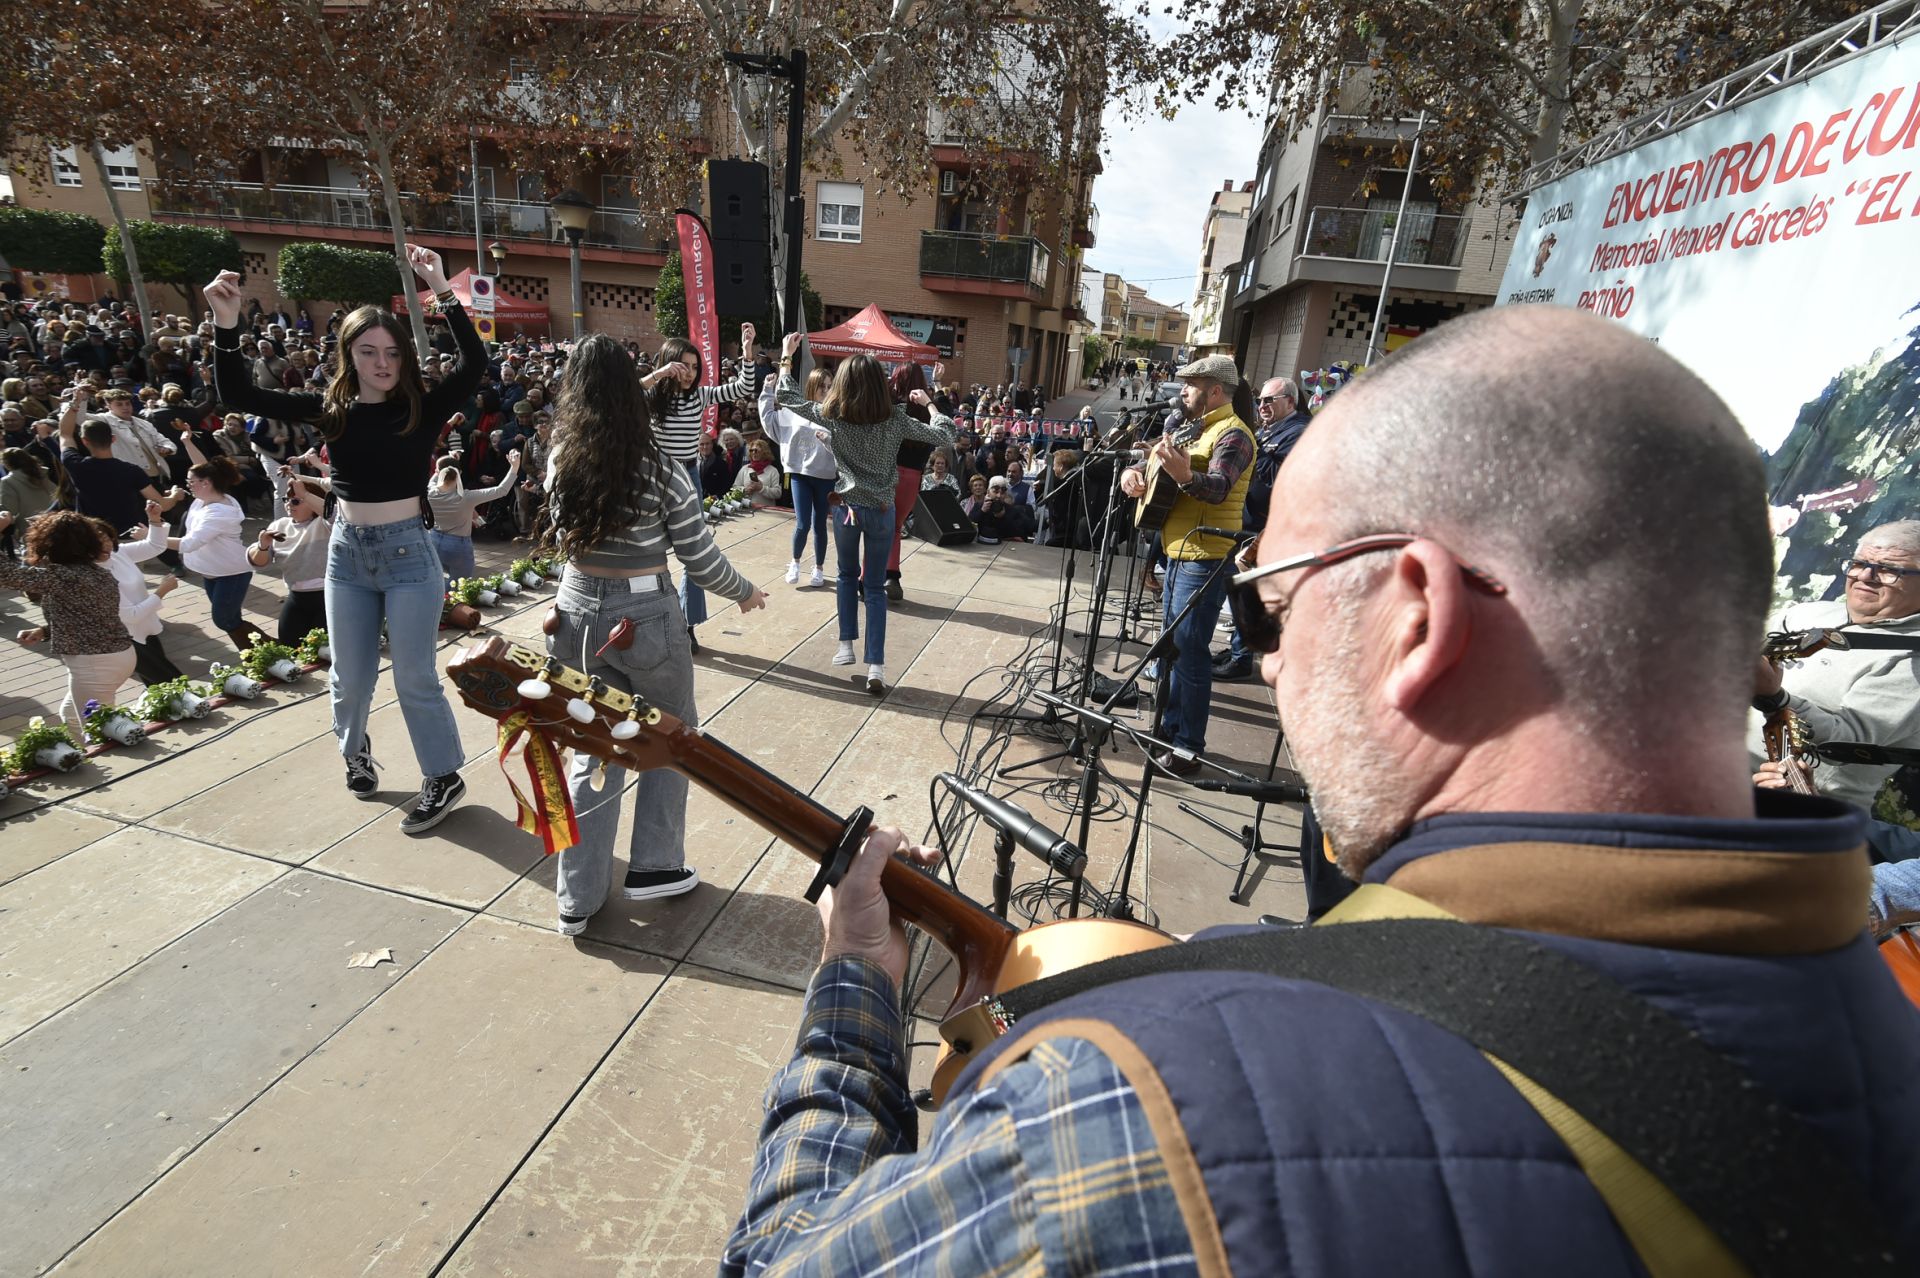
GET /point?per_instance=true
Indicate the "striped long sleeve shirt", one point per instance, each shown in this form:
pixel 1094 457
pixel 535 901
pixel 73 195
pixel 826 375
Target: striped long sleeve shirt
pixel 678 429
pixel 867 455
pixel 670 516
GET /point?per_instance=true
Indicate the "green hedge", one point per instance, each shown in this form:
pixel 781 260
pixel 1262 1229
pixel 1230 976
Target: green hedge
pixel 49 240
pixel 174 253
pixel 330 273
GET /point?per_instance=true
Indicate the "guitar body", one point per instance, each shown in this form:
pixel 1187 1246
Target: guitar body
pixel 1151 508
pixel 1902 954
pixel 1043 951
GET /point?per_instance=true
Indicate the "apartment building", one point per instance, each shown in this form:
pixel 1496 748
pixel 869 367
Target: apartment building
pixel 996 288
pixel 1324 210
pixel 1222 239
pixel 1127 312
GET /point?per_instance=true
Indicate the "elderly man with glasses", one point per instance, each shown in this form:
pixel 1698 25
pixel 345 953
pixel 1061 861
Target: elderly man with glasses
pixel 1530 748
pixel 1862 695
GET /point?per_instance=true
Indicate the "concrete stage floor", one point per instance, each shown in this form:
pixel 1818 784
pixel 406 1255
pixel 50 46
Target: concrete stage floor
pixel 194 1082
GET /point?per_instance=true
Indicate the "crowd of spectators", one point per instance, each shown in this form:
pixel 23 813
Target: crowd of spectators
pixel 120 422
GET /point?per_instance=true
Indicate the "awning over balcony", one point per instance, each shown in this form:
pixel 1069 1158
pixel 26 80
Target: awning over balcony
pixel 507 309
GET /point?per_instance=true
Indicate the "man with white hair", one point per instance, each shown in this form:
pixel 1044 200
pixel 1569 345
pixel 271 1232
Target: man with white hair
pixel 1859 695
pixel 1281 424
pixel 1213 473
pixel 1576 908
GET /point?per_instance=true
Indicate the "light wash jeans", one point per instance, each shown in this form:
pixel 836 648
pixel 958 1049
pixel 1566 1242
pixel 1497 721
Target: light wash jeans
pixel 456 554
pixel 866 540
pixel 1190 681
pixel 693 600
pixel 389 572
pixel 658 666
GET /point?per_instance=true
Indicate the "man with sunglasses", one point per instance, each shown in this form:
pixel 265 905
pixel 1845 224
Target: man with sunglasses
pixel 1281 424
pixel 1506 713
pixel 1866 695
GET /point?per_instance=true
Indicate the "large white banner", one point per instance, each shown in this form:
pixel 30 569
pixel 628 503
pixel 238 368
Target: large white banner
pixel 1774 249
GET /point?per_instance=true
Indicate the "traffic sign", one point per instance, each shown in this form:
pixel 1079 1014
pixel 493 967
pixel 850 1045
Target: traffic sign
pixel 482 288
pixel 483 326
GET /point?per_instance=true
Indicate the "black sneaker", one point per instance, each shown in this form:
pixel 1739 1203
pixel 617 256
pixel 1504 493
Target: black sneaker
pixel 644 885
pixel 362 780
pixel 1234 671
pixel 893 590
pixel 572 924
pixel 437 798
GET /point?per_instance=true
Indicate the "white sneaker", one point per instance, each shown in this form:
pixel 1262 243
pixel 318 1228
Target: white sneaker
pixel 877 680
pixel 844 657
pixel 819 578
pixel 793 571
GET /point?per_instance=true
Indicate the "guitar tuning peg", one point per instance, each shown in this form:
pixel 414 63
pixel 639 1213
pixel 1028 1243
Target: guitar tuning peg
pixel 626 730
pixel 535 689
pixel 599 781
pixel 580 711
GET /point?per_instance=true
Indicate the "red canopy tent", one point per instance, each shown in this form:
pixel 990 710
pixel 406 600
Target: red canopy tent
pixel 871 333
pixel 506 309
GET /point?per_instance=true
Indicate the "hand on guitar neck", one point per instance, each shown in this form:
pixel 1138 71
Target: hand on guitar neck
pixel 859 920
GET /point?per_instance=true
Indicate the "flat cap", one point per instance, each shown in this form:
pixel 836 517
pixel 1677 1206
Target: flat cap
pixel 1214 368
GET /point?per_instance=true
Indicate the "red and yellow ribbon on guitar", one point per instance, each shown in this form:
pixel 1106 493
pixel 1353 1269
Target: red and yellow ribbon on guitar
pixel 550 814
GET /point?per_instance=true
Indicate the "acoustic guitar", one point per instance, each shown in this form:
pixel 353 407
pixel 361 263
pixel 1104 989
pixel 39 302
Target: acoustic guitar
pixel 1151 507
pixel 501 679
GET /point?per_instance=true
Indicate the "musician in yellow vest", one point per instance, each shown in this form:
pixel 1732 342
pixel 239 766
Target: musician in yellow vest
pixel 1213 471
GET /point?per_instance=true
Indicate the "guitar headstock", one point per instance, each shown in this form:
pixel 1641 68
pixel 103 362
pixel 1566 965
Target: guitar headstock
pixel 1792 645
pixel 498 678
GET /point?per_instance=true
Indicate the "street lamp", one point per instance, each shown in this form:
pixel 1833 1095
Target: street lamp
pixel 498 252
pixel 573 212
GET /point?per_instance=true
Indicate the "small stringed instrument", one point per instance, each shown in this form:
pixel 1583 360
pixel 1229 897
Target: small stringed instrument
pixel 502 679
pixel 1151 508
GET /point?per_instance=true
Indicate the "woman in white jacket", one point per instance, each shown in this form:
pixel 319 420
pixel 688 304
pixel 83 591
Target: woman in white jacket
pixel 806 454
pixel 210 544
pixel 453 506
pixel 140 607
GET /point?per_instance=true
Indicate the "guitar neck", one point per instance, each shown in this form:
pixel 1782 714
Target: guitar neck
pixel 972 934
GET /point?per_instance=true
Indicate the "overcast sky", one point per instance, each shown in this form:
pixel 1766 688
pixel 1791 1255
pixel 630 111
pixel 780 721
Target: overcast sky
pixel 1160 177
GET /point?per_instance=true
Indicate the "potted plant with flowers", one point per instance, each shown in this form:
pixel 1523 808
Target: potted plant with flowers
pixel 232 681
pixel 524 571
pixel 269 660
pixel 44 745
pixel 113 723
pixel 315 649
pixel 174 700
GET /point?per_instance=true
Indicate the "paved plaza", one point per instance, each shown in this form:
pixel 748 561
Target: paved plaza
pixel 193 1081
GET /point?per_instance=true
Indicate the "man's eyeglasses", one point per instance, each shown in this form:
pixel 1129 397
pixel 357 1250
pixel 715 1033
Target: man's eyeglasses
pixel 1878 574
pixel 1260 622
pixel 1271 399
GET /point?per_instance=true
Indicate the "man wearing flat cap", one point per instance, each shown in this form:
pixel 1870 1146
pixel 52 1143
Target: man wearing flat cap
pixel 1212 471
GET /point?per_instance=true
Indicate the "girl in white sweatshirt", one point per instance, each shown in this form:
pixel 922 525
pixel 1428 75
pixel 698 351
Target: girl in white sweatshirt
pixel 209 543
pixel 140 607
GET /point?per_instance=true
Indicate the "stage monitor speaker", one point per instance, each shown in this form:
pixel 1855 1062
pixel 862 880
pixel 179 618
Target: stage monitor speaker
pixel 937 518
pixel 742 233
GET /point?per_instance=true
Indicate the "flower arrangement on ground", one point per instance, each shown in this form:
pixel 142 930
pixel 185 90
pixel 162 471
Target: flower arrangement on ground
pixel 44 745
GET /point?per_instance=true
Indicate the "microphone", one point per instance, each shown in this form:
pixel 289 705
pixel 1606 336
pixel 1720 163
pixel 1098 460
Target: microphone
pixel 1061 856
pixel 1263 791
pixel 1239 538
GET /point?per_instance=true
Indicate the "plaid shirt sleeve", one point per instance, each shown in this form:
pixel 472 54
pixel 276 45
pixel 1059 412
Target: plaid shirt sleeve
pixel 1051 1167
pixel 1232 453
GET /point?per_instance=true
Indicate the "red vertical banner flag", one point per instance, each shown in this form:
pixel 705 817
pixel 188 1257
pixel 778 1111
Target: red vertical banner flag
pixel 703 314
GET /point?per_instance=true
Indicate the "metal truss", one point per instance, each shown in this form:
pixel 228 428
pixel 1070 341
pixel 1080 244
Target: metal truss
pixel 1880 25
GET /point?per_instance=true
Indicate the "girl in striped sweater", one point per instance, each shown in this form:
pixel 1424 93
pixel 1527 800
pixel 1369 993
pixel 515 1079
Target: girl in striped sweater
pixel 678 401
pixel 617 507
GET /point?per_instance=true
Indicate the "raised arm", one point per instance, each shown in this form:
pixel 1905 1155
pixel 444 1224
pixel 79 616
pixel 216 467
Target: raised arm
pixel 232 379
pixel 481 496
pixel 787 393
pixel 771 421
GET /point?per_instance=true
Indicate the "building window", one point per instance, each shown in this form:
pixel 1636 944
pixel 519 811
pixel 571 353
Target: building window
pixel 123 168
pixel 66 166
pixel 840 205
pixel 1284 219
pixel 522 71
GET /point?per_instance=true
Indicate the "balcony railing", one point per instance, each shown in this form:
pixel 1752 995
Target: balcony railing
pixel 358 209
pixel 1012 259
pixel 1426 239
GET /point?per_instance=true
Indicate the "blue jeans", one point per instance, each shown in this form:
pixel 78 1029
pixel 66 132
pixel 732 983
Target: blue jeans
pixel 1190 680
pixel 226 595
pixel 810 498
pixel 693 600
pixel 659 666
pixel 388 572
pixel 456 554
pixel 869 539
